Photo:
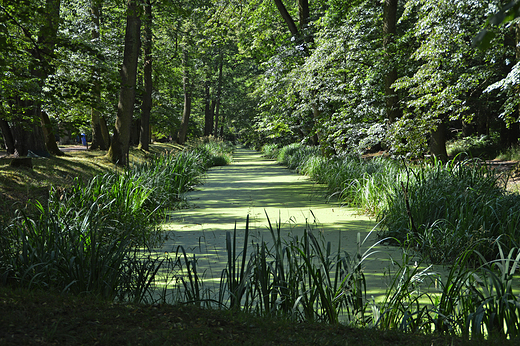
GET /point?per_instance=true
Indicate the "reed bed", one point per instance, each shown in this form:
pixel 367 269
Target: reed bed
pixel 303 279
pixel 441 208
pixel 92 238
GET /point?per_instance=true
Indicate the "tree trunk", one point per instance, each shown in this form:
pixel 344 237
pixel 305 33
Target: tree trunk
pixel 303 9
pixel 146 107
pixel 28 137
pixel 438 142
pixel 216 105
pixel 208 114
pixel 287 17
pixel 100 136
pixel 389 31
pixel 43 53
pixel 48 134
pixel 181 136
pixel 46 39
pixel 509 135
pixel 216 123
pixel 514 130
pixel 8 136
pixel 119 146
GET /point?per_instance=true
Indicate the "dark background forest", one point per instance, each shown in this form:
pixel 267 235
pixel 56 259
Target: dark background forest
pixel 356 76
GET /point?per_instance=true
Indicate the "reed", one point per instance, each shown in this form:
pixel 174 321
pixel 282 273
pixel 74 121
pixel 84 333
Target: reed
pixel 87 238
pixel 442 208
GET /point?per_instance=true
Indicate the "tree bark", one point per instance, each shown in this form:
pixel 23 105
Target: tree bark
pixel 303 9
pixel 119 146
pixel 28 136
pixel 100 135
pixel 8 136
pixel 146 107
pixel 389 32
pixel 438 142
pixel 216 105
pixel 287 17
pixel 183 131
pixel 48 133
pixel 43 54
pixel 208 110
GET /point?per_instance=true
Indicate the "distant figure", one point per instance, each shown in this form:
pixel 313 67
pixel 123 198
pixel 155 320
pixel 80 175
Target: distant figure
pixel 84 139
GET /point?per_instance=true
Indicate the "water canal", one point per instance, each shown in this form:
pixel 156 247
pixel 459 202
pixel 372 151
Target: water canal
pixel 255 186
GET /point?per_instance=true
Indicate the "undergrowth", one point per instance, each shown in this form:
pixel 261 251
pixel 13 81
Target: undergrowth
pixel 441 208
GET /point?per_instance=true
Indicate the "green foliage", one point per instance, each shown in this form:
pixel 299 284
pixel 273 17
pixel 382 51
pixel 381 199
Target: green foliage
pixel 87 239
pixel 300 277
pixel 473 303
pixel 453 206
pixel 215 152
pixel 441 208
pixel 484 147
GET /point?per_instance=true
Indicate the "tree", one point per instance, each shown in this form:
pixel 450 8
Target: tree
pixel 119 146
pixel 30 127
pixel 100 135
pixel 183 130
pixel 146 107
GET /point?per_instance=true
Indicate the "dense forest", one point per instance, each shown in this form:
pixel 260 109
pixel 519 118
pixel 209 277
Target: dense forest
pixel 403 76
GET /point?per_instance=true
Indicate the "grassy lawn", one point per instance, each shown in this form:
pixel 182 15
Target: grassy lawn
pixel 20 186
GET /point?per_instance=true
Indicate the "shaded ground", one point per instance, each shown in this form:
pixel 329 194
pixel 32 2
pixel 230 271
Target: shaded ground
pixel 65 149
pixel 40 318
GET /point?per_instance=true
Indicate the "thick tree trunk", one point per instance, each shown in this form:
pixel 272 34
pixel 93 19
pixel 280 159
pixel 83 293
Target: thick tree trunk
pixel 28 137
pixel 146 107
pixel 100 135
pixel 119 146
pixel 42 53
pixel 438 142
pixel 48 134
pixel 389 31
pixel 46 39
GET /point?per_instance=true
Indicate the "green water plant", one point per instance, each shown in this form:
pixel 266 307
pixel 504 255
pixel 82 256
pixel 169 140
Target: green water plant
pixel 88 238
pixel 472 302
pixel 76 257
pixel 298 277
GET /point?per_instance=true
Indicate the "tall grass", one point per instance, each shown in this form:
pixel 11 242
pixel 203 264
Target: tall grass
pixel 303 279
pixel 441 208
pixel 473 303
pixel 89 237
pixel 300 277
pixel 447 208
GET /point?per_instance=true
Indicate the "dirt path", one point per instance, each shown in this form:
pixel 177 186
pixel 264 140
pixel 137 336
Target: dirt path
pixel 253 185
